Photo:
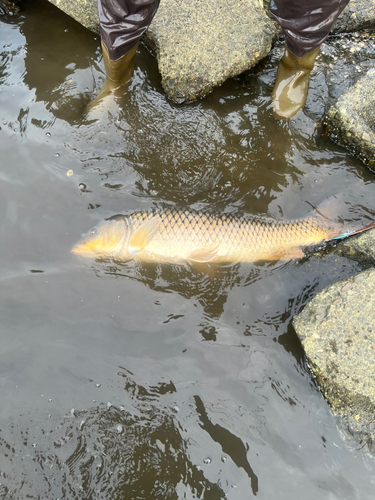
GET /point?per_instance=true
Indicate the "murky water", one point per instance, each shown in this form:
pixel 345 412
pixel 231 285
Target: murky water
pixel 156 381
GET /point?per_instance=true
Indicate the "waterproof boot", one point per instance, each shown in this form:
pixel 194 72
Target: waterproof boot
pixel 292 82
pixel 118 72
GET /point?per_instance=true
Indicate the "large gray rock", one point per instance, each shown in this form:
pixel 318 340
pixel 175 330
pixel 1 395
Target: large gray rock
pixel 199 44
pixel 350 122
pixel 337 331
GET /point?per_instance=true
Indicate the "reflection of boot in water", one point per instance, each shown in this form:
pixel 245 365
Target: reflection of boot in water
pixel 292 82
pixel 118 73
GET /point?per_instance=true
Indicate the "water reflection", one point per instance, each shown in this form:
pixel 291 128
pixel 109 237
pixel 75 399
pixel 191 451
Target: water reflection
pixel 102 452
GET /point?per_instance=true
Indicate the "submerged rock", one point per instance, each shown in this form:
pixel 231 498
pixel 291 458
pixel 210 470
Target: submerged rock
pixel 350 122
pixel 337 331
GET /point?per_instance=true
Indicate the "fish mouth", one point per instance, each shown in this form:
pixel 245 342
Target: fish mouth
pixel 83 250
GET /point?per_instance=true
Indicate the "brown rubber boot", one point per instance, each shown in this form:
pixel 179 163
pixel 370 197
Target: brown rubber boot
pixel 118 72
pixel 292 82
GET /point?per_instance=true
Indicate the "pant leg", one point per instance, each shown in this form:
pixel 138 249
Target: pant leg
pixel 123 22
pixel 306 23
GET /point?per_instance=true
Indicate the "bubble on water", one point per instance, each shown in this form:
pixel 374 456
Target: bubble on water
pixel 207 460
pixel 82 186
pixel 224 459
pixel 119 429
pixel 223 483
pixel 98 385
pixel 48 134
pixel 57 155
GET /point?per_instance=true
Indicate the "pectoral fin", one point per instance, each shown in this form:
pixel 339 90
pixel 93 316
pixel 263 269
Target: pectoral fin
pixel 203 255
pixel 143 235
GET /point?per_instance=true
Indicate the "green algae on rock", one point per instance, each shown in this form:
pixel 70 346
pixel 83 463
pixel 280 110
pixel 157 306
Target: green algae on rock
pixel 337 331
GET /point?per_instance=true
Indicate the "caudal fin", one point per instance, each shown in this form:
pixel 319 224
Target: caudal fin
pixel 352 232
pixel 338 230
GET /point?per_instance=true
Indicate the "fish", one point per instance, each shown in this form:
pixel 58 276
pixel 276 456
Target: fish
pixel 183 235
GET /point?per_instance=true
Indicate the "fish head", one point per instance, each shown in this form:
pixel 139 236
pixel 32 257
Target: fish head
pixel 102 239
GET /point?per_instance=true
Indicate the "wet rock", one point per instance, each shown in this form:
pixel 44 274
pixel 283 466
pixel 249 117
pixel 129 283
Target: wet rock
pixel 337 331
pixel 357 15
pixel 350 122
pixel 361 248
pixel 199 45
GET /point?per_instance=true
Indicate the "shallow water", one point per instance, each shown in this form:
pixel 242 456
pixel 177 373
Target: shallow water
pixel 155 381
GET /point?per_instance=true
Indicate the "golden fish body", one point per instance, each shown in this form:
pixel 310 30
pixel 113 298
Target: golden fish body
pixel 177 236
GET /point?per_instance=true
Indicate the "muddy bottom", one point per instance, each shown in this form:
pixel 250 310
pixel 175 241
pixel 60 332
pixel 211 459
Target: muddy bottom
pixel 123 380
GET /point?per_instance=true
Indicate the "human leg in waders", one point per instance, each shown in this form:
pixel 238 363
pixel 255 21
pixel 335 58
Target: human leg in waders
pixel 122 23
pixel 306 24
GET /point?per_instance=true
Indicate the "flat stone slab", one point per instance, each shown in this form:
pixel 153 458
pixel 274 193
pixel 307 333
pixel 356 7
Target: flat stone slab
pixel 199 45
pixel 350 122
pixel 337 331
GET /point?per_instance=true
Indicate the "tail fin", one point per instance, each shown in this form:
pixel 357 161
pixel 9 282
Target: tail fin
pixel 352 232
pixel 328 211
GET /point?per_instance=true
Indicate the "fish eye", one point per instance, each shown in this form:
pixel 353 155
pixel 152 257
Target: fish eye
pixel 93 231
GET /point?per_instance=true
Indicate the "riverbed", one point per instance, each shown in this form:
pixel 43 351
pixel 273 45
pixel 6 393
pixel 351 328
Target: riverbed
pixel 127 380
